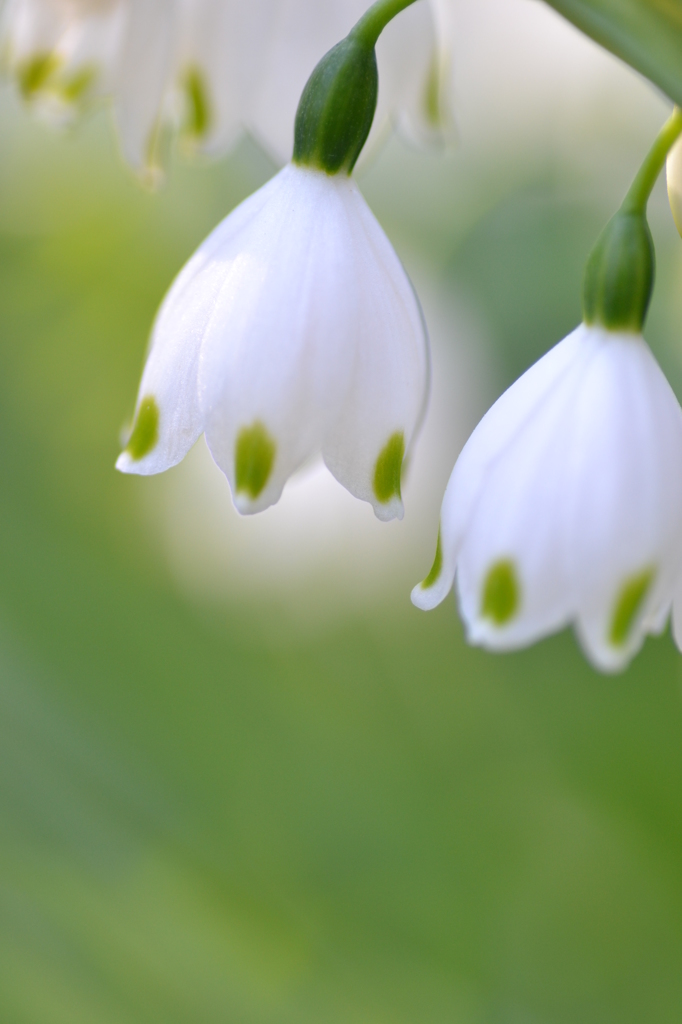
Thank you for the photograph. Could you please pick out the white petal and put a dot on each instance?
(513, 574)
(29, 28)
(144, 75)
(388, 387)
(493, 435)
(674, 176)
(170, 376)
(414, 77)
(217, 51)
(627, 506)
(277, 351)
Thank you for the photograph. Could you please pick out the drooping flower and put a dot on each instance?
(294, 327)
(210, 67)
(565, 505)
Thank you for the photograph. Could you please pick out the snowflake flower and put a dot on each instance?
(294, 327)
(565, 505)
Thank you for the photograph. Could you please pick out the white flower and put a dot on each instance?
(292, 329)
(215, 66)
(61, 51)
(565, 505)
(674, 176)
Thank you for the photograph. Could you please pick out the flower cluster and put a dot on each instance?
(211, 67)
(294, 328)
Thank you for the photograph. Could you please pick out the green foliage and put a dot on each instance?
(647, 34)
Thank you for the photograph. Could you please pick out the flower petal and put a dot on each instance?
(170, 378)
(513, 573)
(493, 435)
(277, 353)
(217, 61)
(627, 501)
(388, 387)
(674, 177)
(144, 73)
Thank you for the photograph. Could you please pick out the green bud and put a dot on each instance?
(619, 275)
(337, 107)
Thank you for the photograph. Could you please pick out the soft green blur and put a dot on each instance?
(210, 815)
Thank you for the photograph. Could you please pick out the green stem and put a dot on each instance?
(375, 20)
(641, 188)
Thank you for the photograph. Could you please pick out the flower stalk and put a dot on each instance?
(337, 107)
(638, 194)
(374, 21)
(619, 274)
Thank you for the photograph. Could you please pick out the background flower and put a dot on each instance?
(211, 68)
(565, 505)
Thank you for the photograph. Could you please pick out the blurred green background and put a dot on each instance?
(209, 814)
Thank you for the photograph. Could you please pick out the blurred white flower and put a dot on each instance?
(565, 505)
(213, 67)
(293, 328)
(61, 51)
(674, 176)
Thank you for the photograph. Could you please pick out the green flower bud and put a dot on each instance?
(337, 107)
(619, 275)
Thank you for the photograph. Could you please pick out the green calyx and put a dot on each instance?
(337, 107)
(619, 275)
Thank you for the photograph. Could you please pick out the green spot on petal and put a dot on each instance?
(432, 109)
(75, 87)
(198, 120)
(501, 593)
(254, 456)
(628, 604)
(389, 467)
(436, 567)
(34, 74)
(146, 430)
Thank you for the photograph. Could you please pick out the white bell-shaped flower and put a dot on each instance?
(565, 505)
(294, 328)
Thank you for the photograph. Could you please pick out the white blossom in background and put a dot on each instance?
(211, 67)
(293, 329)
(61, 51)
(674, 176)
(565, 505)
